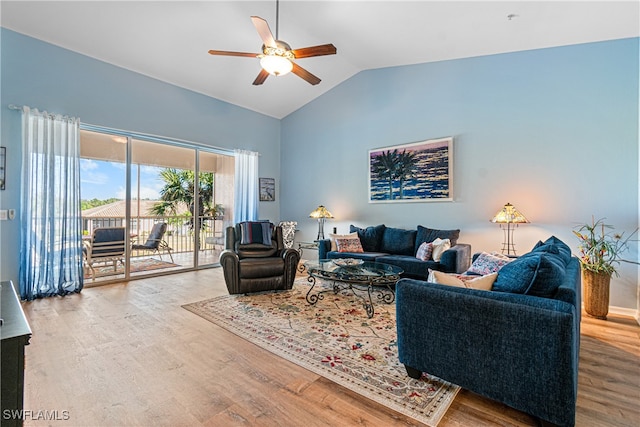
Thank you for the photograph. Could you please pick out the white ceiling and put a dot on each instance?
(169, 40)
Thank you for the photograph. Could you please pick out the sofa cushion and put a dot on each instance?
(555, 246)
(366, 256)
(487, 263)
(410, 264)
(424, 234)
(439, 246)
(535, 273)
(370, 237)
(349, 245)
(398, 241)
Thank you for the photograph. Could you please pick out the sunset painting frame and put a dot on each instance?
(415, 172)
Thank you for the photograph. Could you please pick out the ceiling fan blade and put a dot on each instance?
(262, 76)
(304, 74)
(264, 31)
(229, 53)
(306, 52)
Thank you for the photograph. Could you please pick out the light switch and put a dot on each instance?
(3, 214)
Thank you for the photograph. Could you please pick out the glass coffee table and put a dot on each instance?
(354, 275)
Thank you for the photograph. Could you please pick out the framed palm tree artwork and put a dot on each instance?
(416, 172)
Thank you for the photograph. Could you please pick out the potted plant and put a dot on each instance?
(600, 252)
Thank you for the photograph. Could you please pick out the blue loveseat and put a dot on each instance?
(517, 344)
(398, 247)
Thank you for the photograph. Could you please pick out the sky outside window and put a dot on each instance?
(103, 180)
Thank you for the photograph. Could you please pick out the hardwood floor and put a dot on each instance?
(128, 354)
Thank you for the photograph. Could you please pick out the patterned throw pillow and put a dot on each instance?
(488, 263)
(439, 246)
(333, 238)
(349, 245)
(424, 251)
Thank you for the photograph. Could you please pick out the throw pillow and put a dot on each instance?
(256, 232)
(349, 245)
(425, 234)
(439, 246)
(424, 251)
(487, 263)
(370, 237)
(555, 246)
(535, 273)
(333, 238)
(484, 283)
(398, 241)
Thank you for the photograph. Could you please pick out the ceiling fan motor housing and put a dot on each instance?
(282, 49)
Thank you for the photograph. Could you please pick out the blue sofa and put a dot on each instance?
(517, 344)
(398, 247)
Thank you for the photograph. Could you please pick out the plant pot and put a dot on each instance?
(596, 293)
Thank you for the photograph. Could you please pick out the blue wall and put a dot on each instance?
(552, 131)
(50, 78)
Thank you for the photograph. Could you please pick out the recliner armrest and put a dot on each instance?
(229, 262)
(291, 259)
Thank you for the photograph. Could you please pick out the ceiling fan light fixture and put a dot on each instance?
(276, 65)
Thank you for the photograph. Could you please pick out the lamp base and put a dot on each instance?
(508, 244)
(320, 229)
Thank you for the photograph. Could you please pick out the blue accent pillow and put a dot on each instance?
(397, 241)
(370, 237)
(536, 273)
(555, 246)
(428, 235)
(256, 232)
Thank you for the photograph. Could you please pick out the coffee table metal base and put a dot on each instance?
(383, 291)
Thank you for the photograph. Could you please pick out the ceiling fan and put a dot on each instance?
(277, 57)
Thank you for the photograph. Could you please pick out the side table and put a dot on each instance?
(306, 245)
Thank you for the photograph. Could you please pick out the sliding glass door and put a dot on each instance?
(216, 213)
(173, 199)
(162, 192)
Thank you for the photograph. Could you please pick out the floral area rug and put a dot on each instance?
(336, 340)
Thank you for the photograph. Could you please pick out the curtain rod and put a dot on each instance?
(49, 114)
(145, 136)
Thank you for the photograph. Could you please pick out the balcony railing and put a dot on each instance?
(179, 235)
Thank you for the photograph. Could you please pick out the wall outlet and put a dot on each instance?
(3, 214)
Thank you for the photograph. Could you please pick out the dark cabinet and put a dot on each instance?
(14, 334)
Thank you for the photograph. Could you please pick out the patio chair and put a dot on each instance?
(107, 245)
(155, 242)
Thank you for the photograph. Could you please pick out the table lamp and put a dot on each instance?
(509, 215)
(320, 213)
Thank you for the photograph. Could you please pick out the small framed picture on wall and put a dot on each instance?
(267, 189)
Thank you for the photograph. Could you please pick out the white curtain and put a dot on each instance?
(246, 186)
(51, 226)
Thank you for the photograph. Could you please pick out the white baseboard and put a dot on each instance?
(629, 312)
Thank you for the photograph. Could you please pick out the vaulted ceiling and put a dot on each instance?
(169, 40)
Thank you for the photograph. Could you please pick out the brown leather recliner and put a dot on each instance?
(256, 267)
